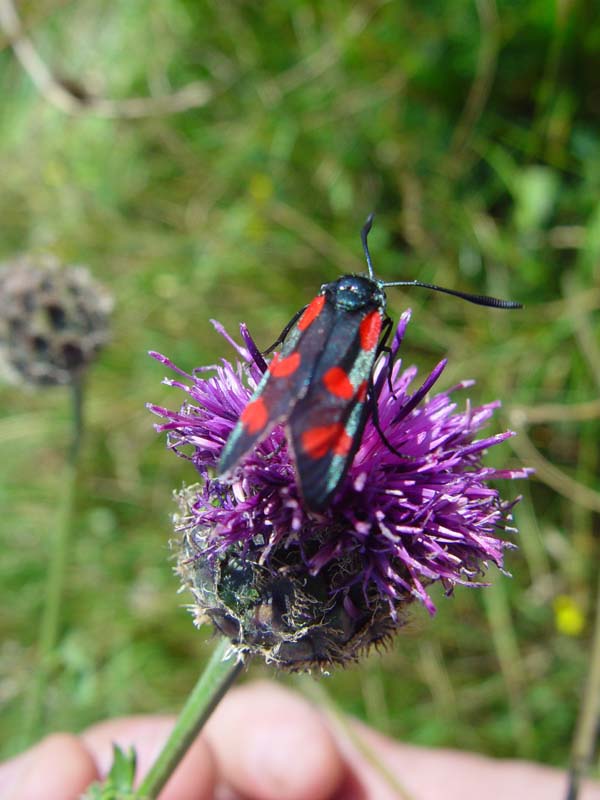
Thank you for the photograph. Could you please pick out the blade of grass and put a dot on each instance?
(320, 695)
(33, 714)
(511, 663)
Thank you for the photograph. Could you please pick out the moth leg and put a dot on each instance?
(383, 437)
(278, 448)
(282, 336)
(383, 347)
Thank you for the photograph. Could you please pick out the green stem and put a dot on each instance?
(321, 698)
(58, 557)
(511, 663)
(212, 685)
(589, 714)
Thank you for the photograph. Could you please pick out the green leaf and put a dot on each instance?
(119, 781)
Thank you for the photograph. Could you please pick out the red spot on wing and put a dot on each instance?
(338, 383)
(343, 444)
(369, 330)
(317, 442)
(283, 367)
(254, 417)
(312, 312)
(361, 392)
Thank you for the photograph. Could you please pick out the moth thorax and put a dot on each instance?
(353, 292)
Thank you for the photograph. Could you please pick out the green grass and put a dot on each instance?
(471, 129)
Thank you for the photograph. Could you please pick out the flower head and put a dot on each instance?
(53, 320)
(304, 589)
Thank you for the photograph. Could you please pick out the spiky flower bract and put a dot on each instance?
(303, 589)
(54, 320)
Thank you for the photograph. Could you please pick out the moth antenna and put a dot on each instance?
(363, 237)
(478, 299)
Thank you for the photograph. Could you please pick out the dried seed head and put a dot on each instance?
(275, 609)
(53, 320)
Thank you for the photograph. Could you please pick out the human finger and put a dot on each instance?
(379, 765)
(58, 768)
(270, 744)
(194, 777)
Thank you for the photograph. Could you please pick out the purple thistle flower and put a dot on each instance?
(393, 528)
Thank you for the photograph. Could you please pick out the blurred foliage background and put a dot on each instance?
(471, 129)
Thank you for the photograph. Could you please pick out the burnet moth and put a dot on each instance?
(320, 383)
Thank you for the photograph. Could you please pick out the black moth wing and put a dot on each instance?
(280, 389)
(325, 428)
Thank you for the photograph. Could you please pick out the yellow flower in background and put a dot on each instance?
(568, 615)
